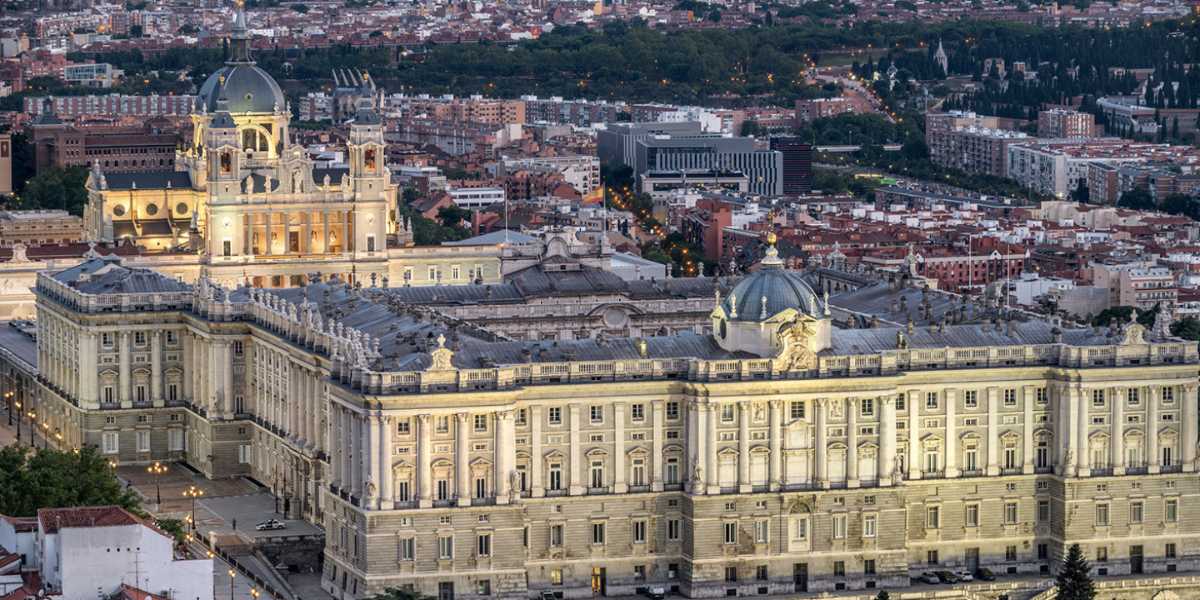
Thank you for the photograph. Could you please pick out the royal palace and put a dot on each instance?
(774, 453)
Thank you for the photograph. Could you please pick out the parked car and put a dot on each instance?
(946, 577)
(547, 595)
(270, 525)
(656, 593)
(930, 578)
(984, 574)
(964, 575)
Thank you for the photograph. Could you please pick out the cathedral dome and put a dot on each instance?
(242, 88)
(770, 291)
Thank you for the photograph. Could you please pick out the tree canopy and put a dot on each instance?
(1072, 580)
(49, 478)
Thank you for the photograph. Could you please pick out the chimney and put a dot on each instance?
(475, 222)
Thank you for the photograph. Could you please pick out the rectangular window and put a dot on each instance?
(869, 526)
(1136, 511)
(796, 409)
(1041, 397)
(637, 412)
(839, 527)
(839, 568)
(446, 547)
(597, 414)
(901, 401)
(672, 530)
(1010, 397)
(403, 426)
(598, 533)
(143, 441)
(227, 248)
(403, 491)
(481, 423)
(933, 517)
(1011, 513)
(971, 518)
(172, 392)
(555, 476)
(1168, 395)
(556, 536)
(931, 557)
(760, 573)
(175, 440)
(1171, 511)
(484, 546)
(1134, 399)
(868, 407)
(1102, 515)
(730, 532)
(1102, 554)
(443, 489)
(869, 566)
(554, 415)
(110, 442)
(971, 398)
(731, 574)
(1043, 514)
(1170, 550)
(597, 474)
(727, 413)
(370, 243)
(639, 532)
(931, 400)
(1098, 398)
(443, 424)
(672, 410)
(408, 549)
(762, 531)
(139, 338)
(672, 471)
(1010, 553)
(556, 577)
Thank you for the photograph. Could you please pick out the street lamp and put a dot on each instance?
(8, 399)
(17, 405)
(157, 469)
(32, 428)
(232, 576)
(254, 593)
(193, 492)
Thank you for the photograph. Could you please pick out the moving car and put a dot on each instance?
(984, 574)
(270, 525)
(930, 578)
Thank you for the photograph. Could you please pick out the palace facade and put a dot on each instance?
(774, 453)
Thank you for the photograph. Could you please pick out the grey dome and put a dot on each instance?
(783, 289)
(243, 88)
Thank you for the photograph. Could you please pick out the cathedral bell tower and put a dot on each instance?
(369, 182)
(223, 155)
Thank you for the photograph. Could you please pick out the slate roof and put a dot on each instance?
(106, 275)
(148, 180)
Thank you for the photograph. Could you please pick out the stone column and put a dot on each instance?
(695, 447)
(537, 489)
(620, 486)
(325, 232)
(267, 225)
(914, 435)
(1153, 398)
(337, 440)
(712, 471)
(424, 461)
(1085, 454)
(346, 245)
(744, 484)
(347, 450)
(370, 464)
(852, 410)
(506, 454)
(125, 374)
(822, 444)
(188, 349)
(357, 459)
(1117, 446)
(156, 383)
(887, 439)
(951, 462)
(462, 457)
(1027, 429)
(993, 432)
(656, 445)
(576, 486)
(1190, 417)
(224, 372)
(776, 468)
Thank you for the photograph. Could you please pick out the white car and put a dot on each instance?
(270, 525)
(964, 575)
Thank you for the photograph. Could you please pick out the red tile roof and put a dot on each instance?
(53, 519)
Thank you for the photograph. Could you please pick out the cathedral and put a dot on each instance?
(250, 204)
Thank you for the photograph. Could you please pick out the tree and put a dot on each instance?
(1080, 193)
(135, 31)
(882, 596)
(1187, 328)
(49, 478)
(1073, 581)
(56, 188)
(1137, 199)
